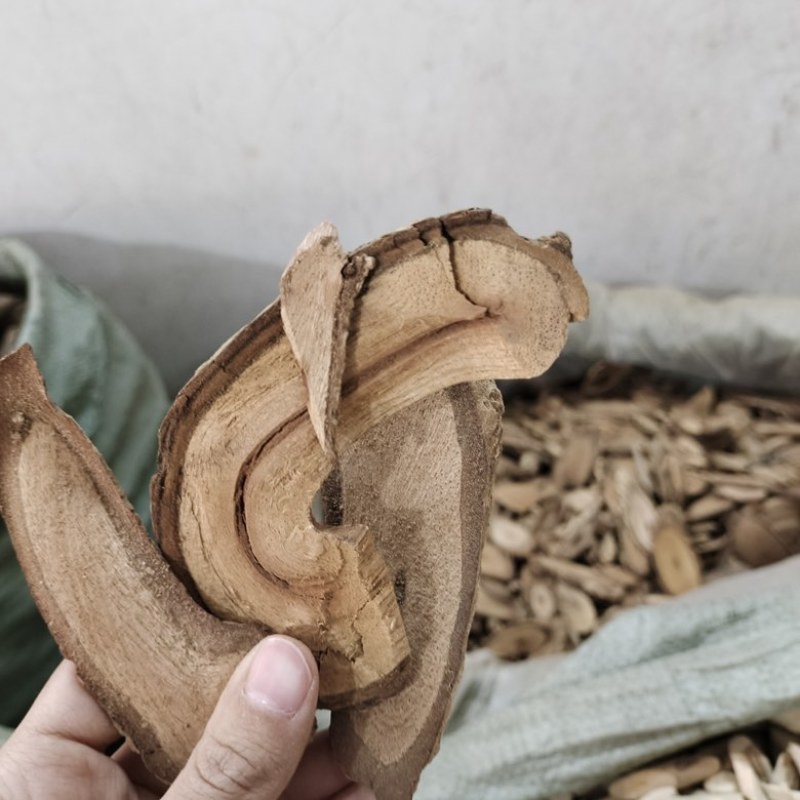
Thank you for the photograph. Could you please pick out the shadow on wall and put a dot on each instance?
(180, 304)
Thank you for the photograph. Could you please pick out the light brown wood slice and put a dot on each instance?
(750, 767)
(724, 782)
(637, 784)
(431, 533)
(511, 537)
(542, 600)
(520, 640)
(767, 532)
(139, 642)
(592, 581)
(785, 773)
(318, 291)
(495, 563)
(676, 564)
(574, 466)
(577, 609)
(461, 298)
(708, 507)
(424, 306)
(693, 770)
(734, 478)
(521, 496)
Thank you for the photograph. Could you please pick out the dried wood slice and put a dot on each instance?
(607, 548)
(793, 751)
(733, 462)
(520, 497)
(542, 600)
(529, 462)
(768, 532)
(661, 793)
(691, 771)
(577, 610)
(499, 590)
(574, 465)
(785, 772)
(740, 494)
(495, 563)
(708, 507)
(691, 452)
(245, 449)
(676, 564)
(632, 554)
(724, 782)
(750, 767)
(516, 437)
(510, 536)
(618, 574)
(670, 482)
(521, 640)
(592, 581)
(371, 740)
(777, 792)
(694, 484)
(488, 605)
(637, 784)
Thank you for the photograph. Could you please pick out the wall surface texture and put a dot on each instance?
(172, 153)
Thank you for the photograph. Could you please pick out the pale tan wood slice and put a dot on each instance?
(496, 563)
(676, 564)
(520, 640)
(637, 784)
(460, 298)
(318, 291)
(141, 645)
(724, 782)
(692, 771)
(430, 519)
(511, 537)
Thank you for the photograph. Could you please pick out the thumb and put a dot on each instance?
(254, 739)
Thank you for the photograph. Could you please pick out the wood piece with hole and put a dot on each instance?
(451, 300)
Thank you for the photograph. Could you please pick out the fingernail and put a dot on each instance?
(279, 678)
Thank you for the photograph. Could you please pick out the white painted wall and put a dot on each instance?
(664, 136)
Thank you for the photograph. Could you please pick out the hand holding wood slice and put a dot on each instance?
(368, 373)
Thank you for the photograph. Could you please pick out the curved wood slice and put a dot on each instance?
(140, 643)
(455, 299)
(245, 449)
(423, 482)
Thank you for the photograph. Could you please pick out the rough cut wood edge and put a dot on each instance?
(318, 290)
(387, 745)
(97, 579)
(169, 630)
(481, 247)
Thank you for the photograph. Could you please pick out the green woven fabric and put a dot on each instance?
(96, 372)
(653, 681)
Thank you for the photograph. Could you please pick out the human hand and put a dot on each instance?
(254, 745)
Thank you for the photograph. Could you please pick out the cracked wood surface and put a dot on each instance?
(244, 450)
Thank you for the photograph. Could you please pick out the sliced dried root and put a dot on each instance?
(282, 406)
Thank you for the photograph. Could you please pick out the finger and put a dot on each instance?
(131, 762)
(319, 775)
(254, 740)
(65, 709)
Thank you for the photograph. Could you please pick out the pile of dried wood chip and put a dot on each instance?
(623, 491)
(763, 765)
